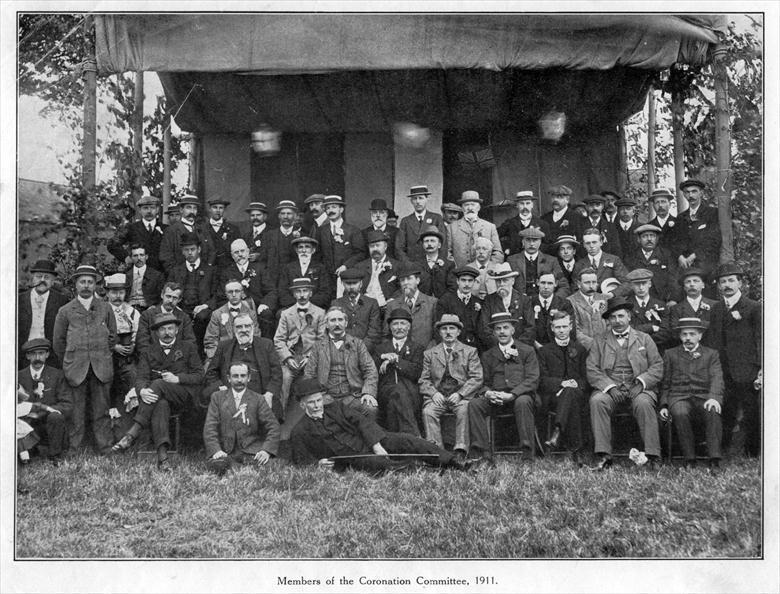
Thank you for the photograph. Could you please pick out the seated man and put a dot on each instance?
(506, 299)
(483, 285)
(221, 322)
(650, 315)
(343, 366)
(624, 367)
(416, 302)
(464, 304)
(48, 396)
(563, 383)
(240, 426)
(692, 389)
(399, 361)
(694, 304)
(364, 318)
(511, 375)
(169, 303)
(451, 376)
(333, 429)
(545, 305)
(169, 374)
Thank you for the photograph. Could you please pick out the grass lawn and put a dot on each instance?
(110, 508)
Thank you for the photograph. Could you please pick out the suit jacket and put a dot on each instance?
(84, 339)
(363, 321)
(144, 336)
(136, 233)
(521, 310)
(674, 235)
(642, 355)
(279, 250)
(293, 327)
(437, 280)
(687, 375)
(56, 393)
(702, 237)
(208, 284)
(151, 284)
(609, 236)
(408, 369)
(610, 266)
(224, 431)
(321, 278)
(568, 274)
(571, 223)
(258, 284)
(423, 313)
(519, 374)
(170, 246)
(512, 243)
(182, 361)
(463, 235)
(257, 245)
(483, 285)
(343, 431)
(390, 233)
(468, 314)
(220, 326)
(24, 317)
(347, 252)
(655, 313)
(587, 318)
(543, 334)
(545, 264)
(388, 278)
(361, 371)
(218, 244)
(407, 244)
(557, 364)
(465, 368)
(665, 272)
(738, 340)
(629, 244)
(269, 371)
(683, 309)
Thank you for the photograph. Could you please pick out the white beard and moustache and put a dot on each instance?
(409, 292)
(503, 292)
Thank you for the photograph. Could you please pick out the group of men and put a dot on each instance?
(394, 328)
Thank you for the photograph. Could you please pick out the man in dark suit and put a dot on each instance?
(169, 303)
(702, 229)
(279, 241)
(84, 338)
(364, 319)
(146, 232)
(509, 231)
(37, 308)
(407, 241)
(437, 272)
(380, 271)
(144, 283)
(341, 243)
(673, 234)
(659, 261)
(563, 384)
(306, 265)
(596, 220)
(422, 307)
(625, 225)
(329, 430)
(399, 361)
(545, 305)
(562, 219)
(49, 396)
(566, 250)
(464, 304)
(240, 426)
(506, 299)
(171, 252)
(217, 234)
(255, 231)
(692, 389)
(650, 314)
(531, 263)
(605, 264)
(379, 210)
(314, 215)
(735, 331)
(169, 375)
(694, 305)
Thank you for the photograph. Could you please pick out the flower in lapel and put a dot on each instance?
(296, 233)
(177, 354)
(477, 306)
(653, 261)
(537, 309)
(38, 389)
(440, 262)
(224, 235)
(736, 315)
(553, 312)
(704, 307)
(513, 353)
(201, 273)
(338, 235)
(245, 283)
(242, 413)
(224, 319)
(158, 229)
(564, 223)
(696, 355)
(386, 265)
(429, 221)
(252, 272)
(258, 242)
(670, 224)
(609, 264)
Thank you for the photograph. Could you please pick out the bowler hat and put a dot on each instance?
(595, 198)
(301, 283)
(256, 206)
(688, 272)
(189, 238)
(351, 275)
(287, 204)
(305, 239)
(727, 269)
(218, 200)
(559, 190)
(532, 233)
(646, 228)
(570, 239)
(692, 182)
(399, 314)
(525, 195)
(333, 199)
(690, 323)
(409, 269)
(378, 204)
(469, 196)
(314, 198)
(44, 266)
(36, 344)
(502, 316)
(451, 206)
(615, 304)
(189, 199)
(639, 274)
(418, 191)
(661, 193)
(85, 270)
(148, 201)
(373, 236)
(306, 387)
(611, 194)
(467, 271)
(449, 320)
(165, 318)
(502, 270)
(115, 281)
(431, 230)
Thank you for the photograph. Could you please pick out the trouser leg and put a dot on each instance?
(400, 405)
(643, 409)
(681, 412)
(404, 443)
(78, 415)
(479, 410)
(432, 421)
(568, 414)
(601, 407)
(461, 410)
(714, 430)
(523, 407)
(56, 428)
(100, 400)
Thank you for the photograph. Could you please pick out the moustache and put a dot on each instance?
(38, 284)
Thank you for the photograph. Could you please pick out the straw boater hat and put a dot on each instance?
(661, 193)
(570, 239)
(287, 204)
(333, 199)
(525, 195)
(418, 191)
(189, 199)
(449, 320)
(502, 316)
(305, 239)
(116, 281)
(85, 270)
(609, 282)
(502, 270)
(647, 228)
(690, 323)
(165, 318)
(301, 283)
(256, 206)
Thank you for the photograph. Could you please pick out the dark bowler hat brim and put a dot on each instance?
(378, 204)
(399, 314)
(728, 269)
(306, 387)
(689, 272)
(373, 236)
(304, 239)
(431, 231)
(409, 270)
(44, 266)
(691, 182)
(36, 344)
(163, 319)
(467, 271)
(615, 304)
(189, 238)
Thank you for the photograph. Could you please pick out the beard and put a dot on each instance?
(503, 291)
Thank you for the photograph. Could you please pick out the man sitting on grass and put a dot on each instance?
(240, 427)
(337, 430)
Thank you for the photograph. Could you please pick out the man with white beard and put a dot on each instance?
(464, 232)
(422, 307)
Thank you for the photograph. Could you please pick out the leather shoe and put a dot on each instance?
(576, 458)
(124, 443)
(605, 461)
(690, 464)
(460, 456)
(164, 465)
(714, 464)
(552, 443)
(653, 464)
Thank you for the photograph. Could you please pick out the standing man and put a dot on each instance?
(144, 283)
(511, 376)
(380, 271)
(545, 306)
(147, 232)
(451, 377)
(626, 225)
(364, 317)
(37, 308)
(483, 285)
(222, 319)
(171, 252)
(451, 212)
(736, 332)
(464, 232)
(422, 307)
(562, 219)
(624, 368)
(596, 220)
(84, 338)
(306, 265)
(341, 243)
(702, 229)
(255, 232)
(673, 234)
(315, 214)
(566, 250)
(605, 264)
(509, 231)
(279, 241)
(217, 234)
(407, 241)
(532, 263)
(379, 210)
(694, 305)
(650, 315)
(659, 261)
(464, 304)
(610, 206)
(506, 299)
(437, 272)
(589, 305)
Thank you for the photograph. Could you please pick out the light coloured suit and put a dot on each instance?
(588, 322)
(463, 236)
(483, 285)
(423, 313)
(221, 326)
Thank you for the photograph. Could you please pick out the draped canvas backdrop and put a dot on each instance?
(335, 84)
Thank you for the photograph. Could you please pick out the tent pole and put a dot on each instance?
(678, 111)
(90, 107)
(622, 178)
(650, 142)
(138, 133)
(723, 151)
(166, 189)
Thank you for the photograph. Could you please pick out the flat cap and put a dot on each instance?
(595, 198)
(639, 274)
(692, 182)
(36, 344)
(351, 275)
(467, 271)
(559, 190)
(647, 227)
(449, 320)
(532, 233)
(148, 201)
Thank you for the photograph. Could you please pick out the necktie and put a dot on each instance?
(149, 228)
(397, 347)
(409, 302)
(482, 267)
(465, 300)
(448, 354)
(590, 299)
(166, 351)
(303, 310)
(593, 262)
(545, 304)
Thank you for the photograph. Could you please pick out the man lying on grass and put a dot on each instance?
(335, 430)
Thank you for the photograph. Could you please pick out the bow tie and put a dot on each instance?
(235, 310)
(621, 334)
(303, 310)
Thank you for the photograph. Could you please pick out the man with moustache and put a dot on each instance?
(673, 234)
(343, 366)
(451, 212)
(407, 242)
(509, 231)
(378, 210)
(562, 219)
(257, 283)
(422, 307)
(694, 305)
(171, 252)
(483, 284)
(399, 361)
(221, 321)
(531, 263)
(566, 250)
(147, 232)
(254, 232)
(84, 339)
(437, 272)
(363, 313)
(315, 214)
(173, 212)
(341, 243)
(596, 220)
(588, 305)
(464, 304)
(279, 247)
(217, 234)
(506, 299)
(659, 261)
(605, 264)
(380, 271)
(37, 308)
(546, 305)
(692, 390)
(169, 303)
(144, 283)
(610, 206)
(169, 376)
(702, 229)
(463, 233)
(626, 224)
(511, 376)
(650, 315)
(305, 265)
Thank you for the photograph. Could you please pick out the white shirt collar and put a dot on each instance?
(259, 229)
(167, 346)
(557, 215)
(87, 303)
(194, 266)
(322, 218)
(732, 301)
(531, 257)
(397, 344)
(625, 226)
(663, 220)
(382, 228)
(139, 271)
(286, 231)
(561, 343)
(237, 396)
(694, 303)
(147, 224)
